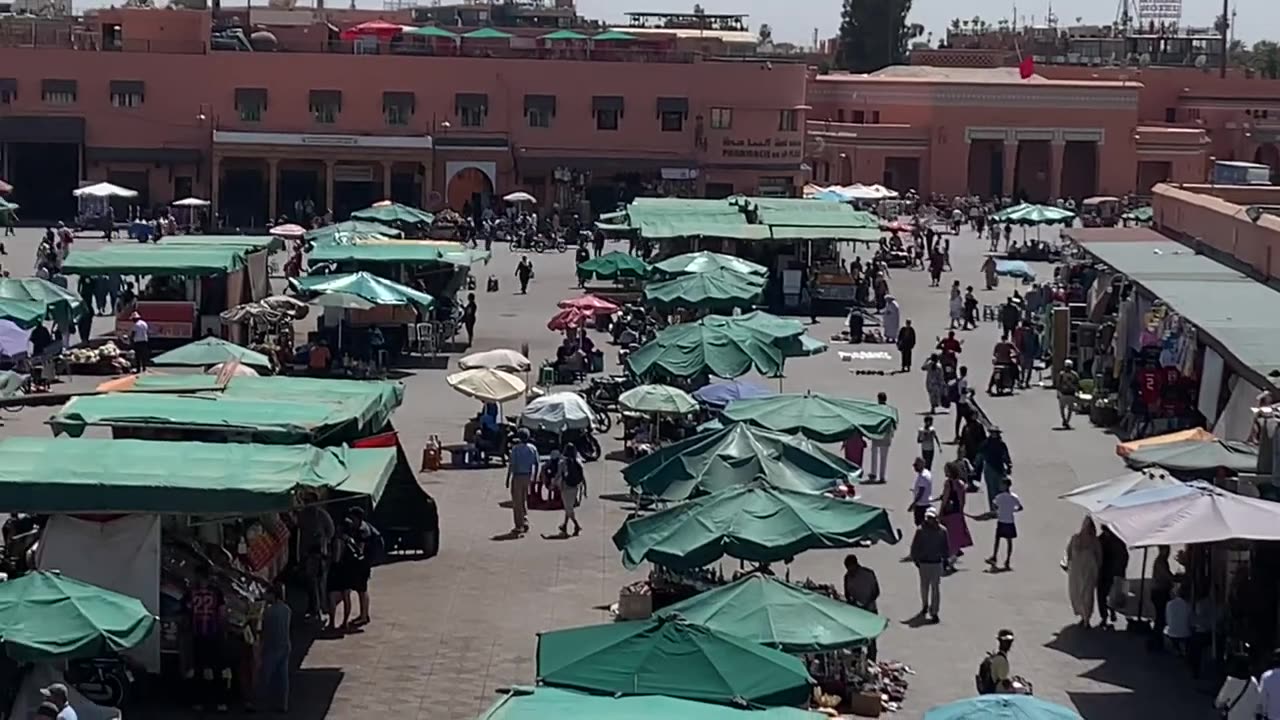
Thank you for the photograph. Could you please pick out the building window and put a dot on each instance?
(471, 109)
(539, 109)
(839, 114)
(127, 93)
(58, 92)
(539, 118)
(1171, 115)
(672, 122)
(397, 108)
(721, 118)
(8, 91)
(859, 117)
(875, 117)
(606, 119)
(472, 117)
(325, 105)
(788, 120)
(251, 103)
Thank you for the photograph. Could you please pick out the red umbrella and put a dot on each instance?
(568, 319)
(897, 226)
(590, 304)
(382, 29)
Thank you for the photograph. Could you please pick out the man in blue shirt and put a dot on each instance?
(520, 473)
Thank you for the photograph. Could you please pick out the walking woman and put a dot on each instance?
(953, 519)
(935, 383)
(1083, 562)
(572, 485)
(956, 305)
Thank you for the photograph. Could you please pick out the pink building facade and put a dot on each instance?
(261, 133)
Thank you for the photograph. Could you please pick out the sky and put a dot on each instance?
(795, 20)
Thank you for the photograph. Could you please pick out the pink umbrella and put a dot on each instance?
(590, 304)
(5, 187)
(378, 28)
(288, 230)
(568, 319)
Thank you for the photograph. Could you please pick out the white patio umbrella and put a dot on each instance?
(191, 202)
(1120, 491)
(343, 301)
(235, 368)
(558, 412)
(1201, 514)
(104, 189)
(499, 359)
(487, 384)
(519, 196)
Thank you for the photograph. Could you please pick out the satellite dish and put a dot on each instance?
(1144, 59)
(1201, 61)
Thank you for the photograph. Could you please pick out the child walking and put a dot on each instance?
(927, 436)
(1007, 504)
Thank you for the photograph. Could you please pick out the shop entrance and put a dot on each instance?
(986, 168)
(301, 195)
(1080, 169)
(469, 189)
(1268, 155)
(43, 176)
(242, 198)
(902, 173)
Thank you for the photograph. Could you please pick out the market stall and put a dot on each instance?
(95, 210)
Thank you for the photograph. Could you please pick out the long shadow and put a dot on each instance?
(1127, 663)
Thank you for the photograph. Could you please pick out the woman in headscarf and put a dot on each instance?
(952, 514)
(935, 383)
(989, 272)
(956, 305)
(892, 318)
(1083, 560)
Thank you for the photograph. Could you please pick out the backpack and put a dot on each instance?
(984, 680)
(571, 473)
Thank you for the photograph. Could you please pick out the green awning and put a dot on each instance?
(395, 215)
(614, 36)
(613, 266)
(402, 251)
(431, 31)
(348, 230)
(715, 290)
(59, 300)
(251, 243)
(264, 420)
(156, 260)
(563, 35)
(25, 314)
(487, 33)
(46, 617)
(696, 262)
(689, 349)
(367, 287)
(824, 233)
(63, 475)
(210, 351)
(682, 227)
(370, 402)
(548, 703)
(824, 418)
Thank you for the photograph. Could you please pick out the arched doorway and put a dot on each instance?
(469, 186)
(1268, 155)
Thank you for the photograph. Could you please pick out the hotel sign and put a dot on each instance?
(762, 148)
(1160, 9)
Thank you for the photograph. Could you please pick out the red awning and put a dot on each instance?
(379, 28)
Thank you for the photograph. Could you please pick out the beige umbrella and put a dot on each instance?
(487, 384)
(500, 359)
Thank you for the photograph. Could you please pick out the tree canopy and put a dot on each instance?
(875, 34)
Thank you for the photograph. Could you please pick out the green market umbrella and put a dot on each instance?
(714, 290)
(752, 521)
(367, 287)
(210, 351)
(487, 33)
(1142, 214)
(667, 656)
(768, 611)
(696, 262)
(395, 215)
(613, 36)
(787, 334)
(1029, 214)
(432, 31)
(1001, 707)
(26, 314)
(46, 617)
(614, 266)
(59, 300)
(563, 35)
(348, 231)
(720, 459)
(1196, 456)
(689, 349)
(548, 703)
(660, 399)
(821, 417)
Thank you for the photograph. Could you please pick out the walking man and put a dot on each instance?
(861, 590)
(520, 472)
(906, 343)
(524, 273)
(1068, 383)
(140, 337)
(929, 550)
(880, 451)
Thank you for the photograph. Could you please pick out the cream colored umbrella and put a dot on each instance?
(487, 384)
(499, 359)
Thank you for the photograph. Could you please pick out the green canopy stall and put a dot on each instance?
(613, 266)
(713, 461)
(412, 221)
(718, 290)
(365, 286)
(348, 231)
(46, 617)
(751, 521)
(1031, 214)
(768, 611)
(59, 301)
(668, 656)
(186, 260)
(690, 349)
(210, 351)
(26, 314)
(696, 262)
(823, 418)
(252, 243)
(549, 703)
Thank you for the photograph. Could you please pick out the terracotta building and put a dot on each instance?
(138, 97)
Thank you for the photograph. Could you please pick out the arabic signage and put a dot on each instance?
(761, 148)
(1160, 9)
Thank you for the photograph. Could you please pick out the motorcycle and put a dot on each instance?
(106, 681)
(1006, 374)
(542, 244)
(586, 443)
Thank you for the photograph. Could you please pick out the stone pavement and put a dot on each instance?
(450, 631)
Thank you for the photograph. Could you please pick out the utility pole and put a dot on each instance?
(1226, 43)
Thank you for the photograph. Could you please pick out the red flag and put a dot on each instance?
(1026, 67)
(381, 440)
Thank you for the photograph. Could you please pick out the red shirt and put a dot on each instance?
(1150, 385)
(950, 345)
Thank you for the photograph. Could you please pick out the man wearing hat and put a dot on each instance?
(56, 696)
(140, 340)
(521, 470)
(929, 551)
(994, 675)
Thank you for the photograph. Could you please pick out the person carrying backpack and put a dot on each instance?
(993, 673)
(572, 485)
